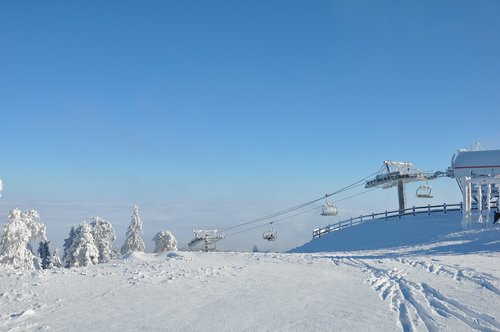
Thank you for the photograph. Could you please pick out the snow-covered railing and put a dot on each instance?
(317, 232)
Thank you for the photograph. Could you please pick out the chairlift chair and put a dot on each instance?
(424, 191)
(270, 235)
(329, 210)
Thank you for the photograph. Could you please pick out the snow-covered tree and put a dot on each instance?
(133, 238)
(104, 235)
(56, 260)
(115, 252)
(44, 254)
(69, 240)
(83, 250)
(67, 244)
(68, 255)
(22, 228)
(165, 241)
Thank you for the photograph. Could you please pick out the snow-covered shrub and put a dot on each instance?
(22, 228)
(165, 241)
(44, 254)
(104, 235)
(56, 260)
(83, 250)
(115, 252)
(133, 239)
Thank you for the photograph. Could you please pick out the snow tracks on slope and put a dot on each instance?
(412, 288)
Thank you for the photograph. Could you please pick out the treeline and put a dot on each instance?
(87, 244)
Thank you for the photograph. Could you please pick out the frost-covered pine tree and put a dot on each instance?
(165, 241)
(56, 260)
(133, 238)
(44, 254)
(69, 240)
(22, 228)
(83, 250)
(67, 244)
(104, 235)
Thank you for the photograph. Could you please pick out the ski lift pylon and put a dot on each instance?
(424, 191)
(329, 209)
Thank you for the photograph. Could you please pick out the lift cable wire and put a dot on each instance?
(361, 193)
(272, 222)
(300, 206)
(297, 214)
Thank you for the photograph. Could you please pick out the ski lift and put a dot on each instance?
(270, 235)
(424, 192)
(329, 209)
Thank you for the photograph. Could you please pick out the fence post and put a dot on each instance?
(385, 214)
(429, 209)
(373, 215)
(414, 210)
(361, 218)
(351, 220)
(461, 206)
(444, 206)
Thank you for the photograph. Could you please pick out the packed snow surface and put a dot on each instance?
(448, 281)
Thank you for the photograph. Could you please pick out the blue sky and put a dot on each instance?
(236, 108)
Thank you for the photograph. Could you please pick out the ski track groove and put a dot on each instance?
(460, 311)
(415, 303)
(482, 280)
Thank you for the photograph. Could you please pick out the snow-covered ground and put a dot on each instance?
(437, 278)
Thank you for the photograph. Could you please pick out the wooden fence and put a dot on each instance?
(444, 208)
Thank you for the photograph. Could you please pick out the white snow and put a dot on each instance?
(438, 277)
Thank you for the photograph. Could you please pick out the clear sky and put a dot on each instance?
(210, 113)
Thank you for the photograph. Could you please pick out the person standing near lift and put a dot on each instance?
(496, 215)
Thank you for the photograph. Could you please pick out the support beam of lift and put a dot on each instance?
(401, 195)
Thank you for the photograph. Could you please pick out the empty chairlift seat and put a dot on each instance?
(328, 209)
(424, 192)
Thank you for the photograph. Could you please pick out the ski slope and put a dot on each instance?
(439, 279)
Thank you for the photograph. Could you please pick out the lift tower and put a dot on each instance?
(206, 238)
(398, 173)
